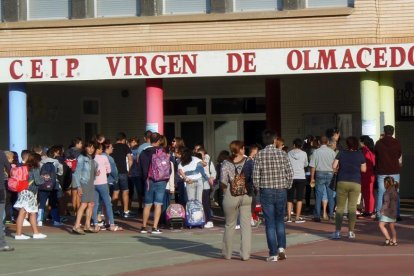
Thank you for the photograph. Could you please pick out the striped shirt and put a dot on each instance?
(272, 169)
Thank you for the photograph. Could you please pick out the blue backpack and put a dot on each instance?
(48, 173)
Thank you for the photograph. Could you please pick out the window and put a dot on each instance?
(185, 107)
(329, 3)
(238, 105)
(185, 6)
(258, 5)
(113, 8)
(48, 9)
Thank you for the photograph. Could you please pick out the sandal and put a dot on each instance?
(78, 231)
(115, 228)
(91, 230)
(387, 243)
(393, 243)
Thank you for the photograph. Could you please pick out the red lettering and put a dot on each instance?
(36, 65)
(249, 62)
(402, 56)
(127, 66)
(72, 64)
(307, 66)
(13, 73)
(411, 56)
(54, 68)
(173, 64)
(348, 60)
(231, 66)
(113, 67)
(299, 60)
(327, 59)
(140, 66)
(359, 60)
(192, 64)
(379, 54)
(155, 68)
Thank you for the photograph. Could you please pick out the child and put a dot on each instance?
(389, 211)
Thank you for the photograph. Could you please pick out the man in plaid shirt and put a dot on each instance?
(273, 175)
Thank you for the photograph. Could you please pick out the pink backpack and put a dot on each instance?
(19, 179)
(175, 211)
(160, 168)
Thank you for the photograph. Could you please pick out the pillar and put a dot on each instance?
(155, 105)
(370, 107)
(387, 105)
(17, 117)
(273, 106)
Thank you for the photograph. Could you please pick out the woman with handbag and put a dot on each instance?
(26, 200)
(236, 182)
(351, 163)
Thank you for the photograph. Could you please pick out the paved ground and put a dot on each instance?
(197, 252)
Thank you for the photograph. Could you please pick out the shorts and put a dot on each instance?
(298, 186)
(154, 194)
(386, 219)
(122, 183)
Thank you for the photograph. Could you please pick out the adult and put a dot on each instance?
(73, 153)
(133, 178)
(155, 190)
(299, 161)
(123, 159)
(321, 174)
(334, 135)
(4, 166)
(368, 177)
(146, 144)
(349, 163)
(388, 162)
(84, 177)
(273, 174)
(237, 206)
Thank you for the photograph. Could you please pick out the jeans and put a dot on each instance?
(53, 202)
(206, 205)
(381, 191)
(2, 201)
(155, 193)
(323, 193)
(274, 205)
(102, 192)
(195, 190)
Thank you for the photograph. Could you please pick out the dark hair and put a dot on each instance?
(186, 156)
(331, 132)
(75, 141)
(101, 146)
(25, 153)
(389, 130)
(352, 143)
(33, 160)
(202, 149)
(324, 140)
(298, 143)
(120, 136)
(147, 134)
(198, 155)
(223, 155)
(389, 181)
(87, 145)
(52, 151)
(269, 136)
(235, 147)
(367, 141)
(155, 137)
(179, 141)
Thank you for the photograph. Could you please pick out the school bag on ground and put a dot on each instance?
(194, 214)
(19, 178)
(160, 168)
(238, 186)
(48, 173)
(175, 216)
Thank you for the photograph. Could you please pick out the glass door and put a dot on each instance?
(91, 117)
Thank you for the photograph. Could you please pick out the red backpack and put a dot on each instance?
(19, 178)
(71, 164)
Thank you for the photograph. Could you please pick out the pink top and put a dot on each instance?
(103, 167)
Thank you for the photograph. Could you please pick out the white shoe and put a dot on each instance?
(282, 254)
(39, 236)
(21, 237)
(209, 225)
(271, 259)
(40, 223)
(237, 227)
(351, 235)
(26, 222)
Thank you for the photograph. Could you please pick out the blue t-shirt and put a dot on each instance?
(350, 165)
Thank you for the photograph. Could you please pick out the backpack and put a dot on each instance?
(71, 164)
(160, 168)
(48, 173)
(19, 179)
(238, 186)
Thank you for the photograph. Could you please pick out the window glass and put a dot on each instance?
(329, 3)
(238, 105)
(185, 6)
(90, 107)
(257, 5)
(48, 9)
(113, 8)
(185, 107)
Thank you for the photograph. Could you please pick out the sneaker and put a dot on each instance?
(156, 231)
(39, 236)
(57, 223)
(209, 225)
(336, 235)
(63, 219)
(300, 220)
(289, 220)
(282, 254)
(21, 237)
(237, 227)
(129, 214)
(271, 259)
(39, 224)
(117, 213)
(26, 222)
(143, 230)
(351, 235)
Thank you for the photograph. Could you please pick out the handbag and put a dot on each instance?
(334, 182)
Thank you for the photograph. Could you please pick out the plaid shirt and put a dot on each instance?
(272, 169)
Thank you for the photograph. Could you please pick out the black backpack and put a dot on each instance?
(48, 173)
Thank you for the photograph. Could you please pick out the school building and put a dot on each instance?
(210, 71)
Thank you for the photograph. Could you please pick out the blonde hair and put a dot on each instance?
(10, 156)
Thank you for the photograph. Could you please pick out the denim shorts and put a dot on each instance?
(122, 183)
(154, 192)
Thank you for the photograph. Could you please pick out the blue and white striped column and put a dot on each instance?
(17, 117)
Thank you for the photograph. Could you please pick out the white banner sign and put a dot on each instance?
(209, 63)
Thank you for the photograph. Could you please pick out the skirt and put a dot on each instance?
(88, 193)
(386, 219)
(26, 200)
